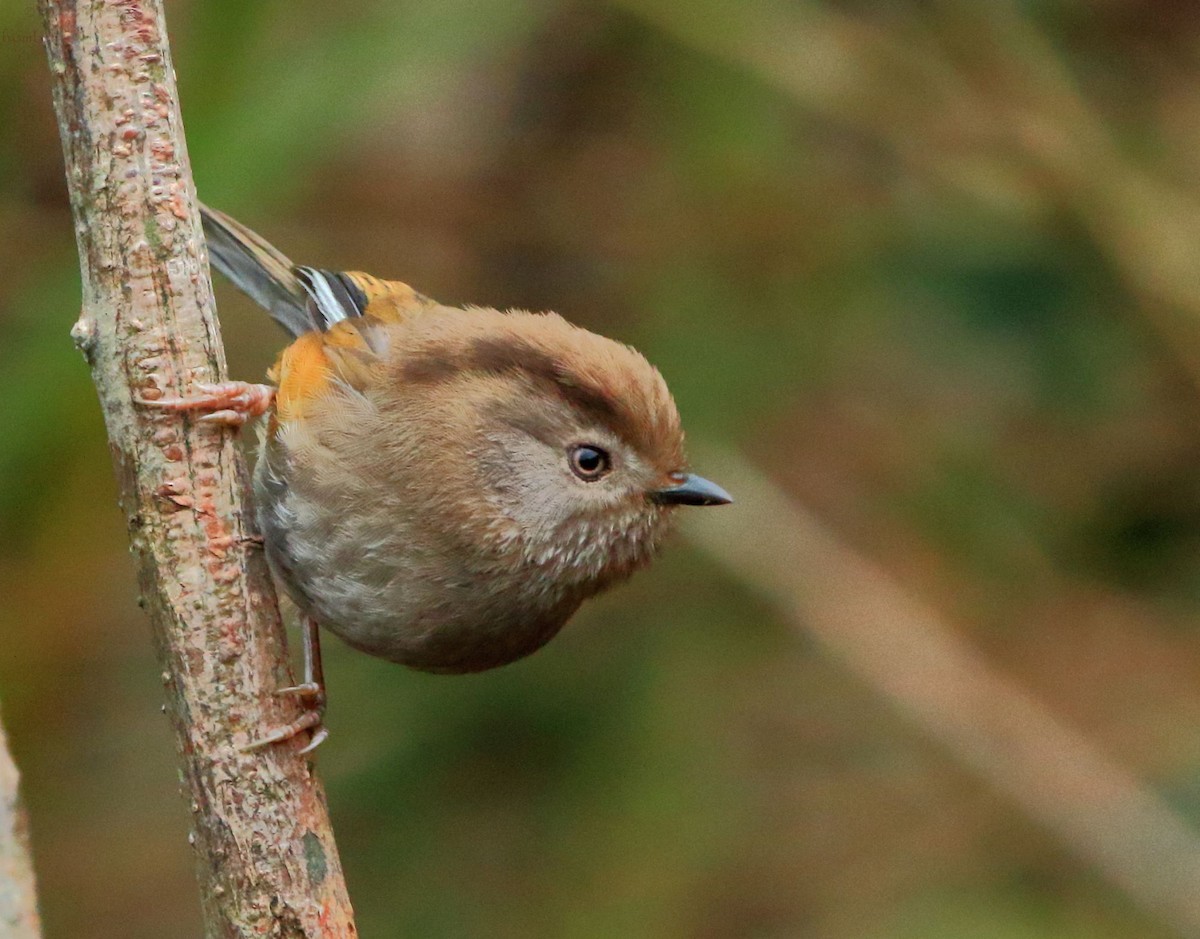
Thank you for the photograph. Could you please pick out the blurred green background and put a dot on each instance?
(934, 267)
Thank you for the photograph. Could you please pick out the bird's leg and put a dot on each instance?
(227, 402)
(311, 691)
(313, 686)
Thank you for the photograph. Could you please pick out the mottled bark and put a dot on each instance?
(18, 890)
(267, 862)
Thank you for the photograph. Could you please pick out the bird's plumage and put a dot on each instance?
(415, 487)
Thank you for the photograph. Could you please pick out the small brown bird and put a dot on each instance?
(442, 487)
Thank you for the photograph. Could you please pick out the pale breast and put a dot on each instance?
(385, 587)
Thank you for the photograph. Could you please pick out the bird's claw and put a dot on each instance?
(313, 696)
(309, 720)
(231, 403)
(310, 690)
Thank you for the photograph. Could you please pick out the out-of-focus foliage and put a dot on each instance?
(928, 263)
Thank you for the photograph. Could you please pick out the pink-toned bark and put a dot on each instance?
(267, 862)
(18, 890)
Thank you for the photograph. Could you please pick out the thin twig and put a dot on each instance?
(267, 860)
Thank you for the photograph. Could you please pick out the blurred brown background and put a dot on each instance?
(933, 267)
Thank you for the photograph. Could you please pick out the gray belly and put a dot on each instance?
(391, 591)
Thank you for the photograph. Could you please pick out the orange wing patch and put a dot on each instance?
(388, 300)
(301, 374)
(312, 363)
(345, 334)
(347, 353)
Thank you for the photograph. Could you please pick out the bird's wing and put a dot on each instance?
(300, 298)
(350, 350)
(340, 319)
(258, 269)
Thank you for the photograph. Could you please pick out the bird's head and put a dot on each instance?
(567, 450)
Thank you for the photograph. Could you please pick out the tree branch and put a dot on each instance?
(267, 860)
(18, 890)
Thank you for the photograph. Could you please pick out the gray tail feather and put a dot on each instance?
(258, 269)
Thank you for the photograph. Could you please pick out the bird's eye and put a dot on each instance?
(589, 463)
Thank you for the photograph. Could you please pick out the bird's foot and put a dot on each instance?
(310, 691)
(228, 402)
(313, 696)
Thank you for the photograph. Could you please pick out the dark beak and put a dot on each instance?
(691, 490)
